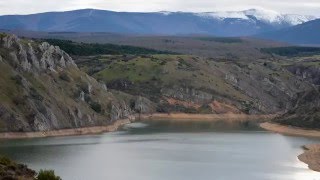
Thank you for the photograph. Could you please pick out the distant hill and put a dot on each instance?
(306, 33)
(232, 23)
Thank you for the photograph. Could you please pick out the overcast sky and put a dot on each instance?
(308, 7)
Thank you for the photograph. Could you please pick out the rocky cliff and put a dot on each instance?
(306, 112)
(41, 88)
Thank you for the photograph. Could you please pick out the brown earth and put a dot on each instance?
(205, 117)
(67, 132)
(289, 130)
(188, 104)
(221, 108)
(311, 156)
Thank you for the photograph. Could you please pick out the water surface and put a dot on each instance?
(145, 152)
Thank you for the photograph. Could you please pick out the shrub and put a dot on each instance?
(35, 95)
(205, 109)
(47, 175)
(19, 100)
(96, 107)
(17, 79)
(64, 76)
(5, 161)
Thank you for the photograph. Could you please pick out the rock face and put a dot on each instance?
(36, 58)
(41, 88)
(308, 73)
(143, 105)
(306, 113)
(185, 93)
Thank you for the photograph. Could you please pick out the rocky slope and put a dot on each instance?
(195, 84)
(306, 112)
(14, 171)
(41, 88)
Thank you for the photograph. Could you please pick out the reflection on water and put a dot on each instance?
(176, 152)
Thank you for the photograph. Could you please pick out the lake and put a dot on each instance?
(145, 151)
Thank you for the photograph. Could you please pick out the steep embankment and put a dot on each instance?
(42, 89)
(306, 112)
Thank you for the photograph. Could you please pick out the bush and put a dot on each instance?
(47, 175)
(19, 100)
(96, 107)
(17, 79)
(35, 95)
(64, 76)
(5, 161)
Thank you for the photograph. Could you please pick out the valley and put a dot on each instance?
(160, 89)
(61, 81)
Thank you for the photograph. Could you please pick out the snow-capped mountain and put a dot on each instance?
(307, 34)
(230, 23)
(264, 15)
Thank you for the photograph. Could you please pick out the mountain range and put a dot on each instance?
(306, 33)
(229, 23)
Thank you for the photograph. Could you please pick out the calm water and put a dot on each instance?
(142, 152)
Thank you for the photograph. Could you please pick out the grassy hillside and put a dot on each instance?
(196, 84)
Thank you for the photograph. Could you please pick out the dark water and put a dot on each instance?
(154, 152)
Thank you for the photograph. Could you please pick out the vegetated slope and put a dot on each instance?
(14, 171)
(200, 85)
(240, 23)
(41, 88)
(306, 33)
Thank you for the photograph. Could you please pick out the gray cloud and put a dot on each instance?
(310, 7)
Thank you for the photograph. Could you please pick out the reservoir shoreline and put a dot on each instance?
(311, 155)
(181, 117)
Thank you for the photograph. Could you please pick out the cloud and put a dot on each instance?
(284, 6)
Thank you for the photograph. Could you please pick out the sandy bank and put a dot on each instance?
(289, 130)
(66, 132)
(206, 117)
(311, 156)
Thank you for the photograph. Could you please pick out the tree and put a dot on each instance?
(47, 175)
